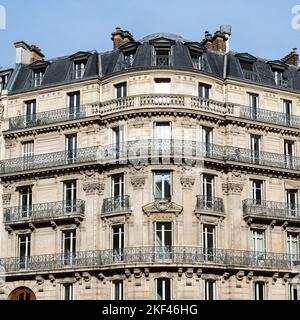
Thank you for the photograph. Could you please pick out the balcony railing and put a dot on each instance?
(116, 105)
(211, 204)
(44, 211)
(251, 75)
(146, 151)
(268, 116)
(115, 204)
(271, 210)
(152, 255)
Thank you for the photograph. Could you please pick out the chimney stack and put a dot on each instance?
(26, 54)
(120, 37)
(292, 58)
(219, 41)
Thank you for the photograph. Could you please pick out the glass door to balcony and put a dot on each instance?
(118, 243)
(118, 141)
(74, 105)
(255, 149)
(24, 251)
(208, 191)
(206, 141)
(117, 192)
(257, 192)
(71, 148)
(163, 240)
(293, 248)
(70, 196)
(287, 111)
(253, 104)
(289, 154)
(162, 186)
(30, 111)
(27, 154)
(69, 247)
(162, 138)
(25, 199)
(259, 248)
(209, 242)
(292, 202)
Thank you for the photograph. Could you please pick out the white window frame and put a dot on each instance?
(118, 252)
(70, 238)
(207, 289)
(258, 235)
(119, 285)
(292, 287)
(254, 188)
(124, 90)
(63, 291)
(163, 288)
(256, 292)
(204, 88)
(27, 243)
(162, 174)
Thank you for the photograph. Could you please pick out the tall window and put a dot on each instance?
(280, 79)
(128, 59)
(292, 202)
(162, 137)
(293, 247)
(74, 105)
(253, 105)
(207, 140)
(209, 242)
(25, 201)
(198, 60)
(68, 291)
(121, 90)
(118, 140)
(163, 240)
(118, 293)
(27, 153)
(118, 242)
(255, 148)
(78, 69)
(257, 191)
(70, 196)
(204, 90)
(30, 111)
(37, 78)
(24, 250)
(258, 244)
(208, 190)
(293, 291)
(69, 247)
(248, 70)
(259, 291)
(162, 56)
(289, 153)
(287, 111)
(3, 82)
(117, 185)
(163, 289)
(162, 185)
(71, 148)
(210, 290)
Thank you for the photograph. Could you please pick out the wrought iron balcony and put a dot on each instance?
(44, 212)
(271, 210)
(148, 151)
(47, 117)
(210, 204)
(116, 204)
(267, 116)
(167, 256)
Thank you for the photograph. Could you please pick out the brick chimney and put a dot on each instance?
(26, 54)
(292, 58)
(217, 42)
(120, 37)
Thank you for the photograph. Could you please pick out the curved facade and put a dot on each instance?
(159, 170)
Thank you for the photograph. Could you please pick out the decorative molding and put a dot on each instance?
(275, 277)
(240, 275)
(250, 276)
(92, 184)
(162, 206)
(6, 198)
(232, 188)
(187, 182)
(189, 273)
(138, 182)
(137, 272)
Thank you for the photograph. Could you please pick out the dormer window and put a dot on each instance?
(279, 73)
(279, 78)
(162, 52)
(247, 66)
(37, 78)
(78, 69)
(3, 82)
(38, 73)
(198, 61)
(128, 59)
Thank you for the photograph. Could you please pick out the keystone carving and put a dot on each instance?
(187, 182)
(138, 182)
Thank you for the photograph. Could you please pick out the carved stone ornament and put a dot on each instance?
(232, 188)
(1, 111)
(240, 275)
(162, 206)
(92, 184)
(187, 182)
(138, 182)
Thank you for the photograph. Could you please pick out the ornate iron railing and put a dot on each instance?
(115, 204)
(212, 204)
(268, 116)
(271, 209)
(41, 211)
(147, 151)
(151, 255)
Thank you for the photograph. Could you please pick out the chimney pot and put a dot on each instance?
(120, 37)
(292, 58)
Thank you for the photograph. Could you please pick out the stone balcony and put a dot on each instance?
(44, 213)
(152, 256)
(271, 211)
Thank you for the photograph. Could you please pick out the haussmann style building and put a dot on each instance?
(163, 169)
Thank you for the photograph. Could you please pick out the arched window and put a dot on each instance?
(22, 294)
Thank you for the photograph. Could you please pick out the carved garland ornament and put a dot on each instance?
(232, 188)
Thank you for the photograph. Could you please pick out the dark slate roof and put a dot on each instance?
(106, 64)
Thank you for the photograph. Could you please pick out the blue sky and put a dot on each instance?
(62, 27)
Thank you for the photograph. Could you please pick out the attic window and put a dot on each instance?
(199, 61)
(3, 82)
(128, 58)
(279, 73)
(78, 69)
(162, 56)
(37, 77)
(247, 65)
